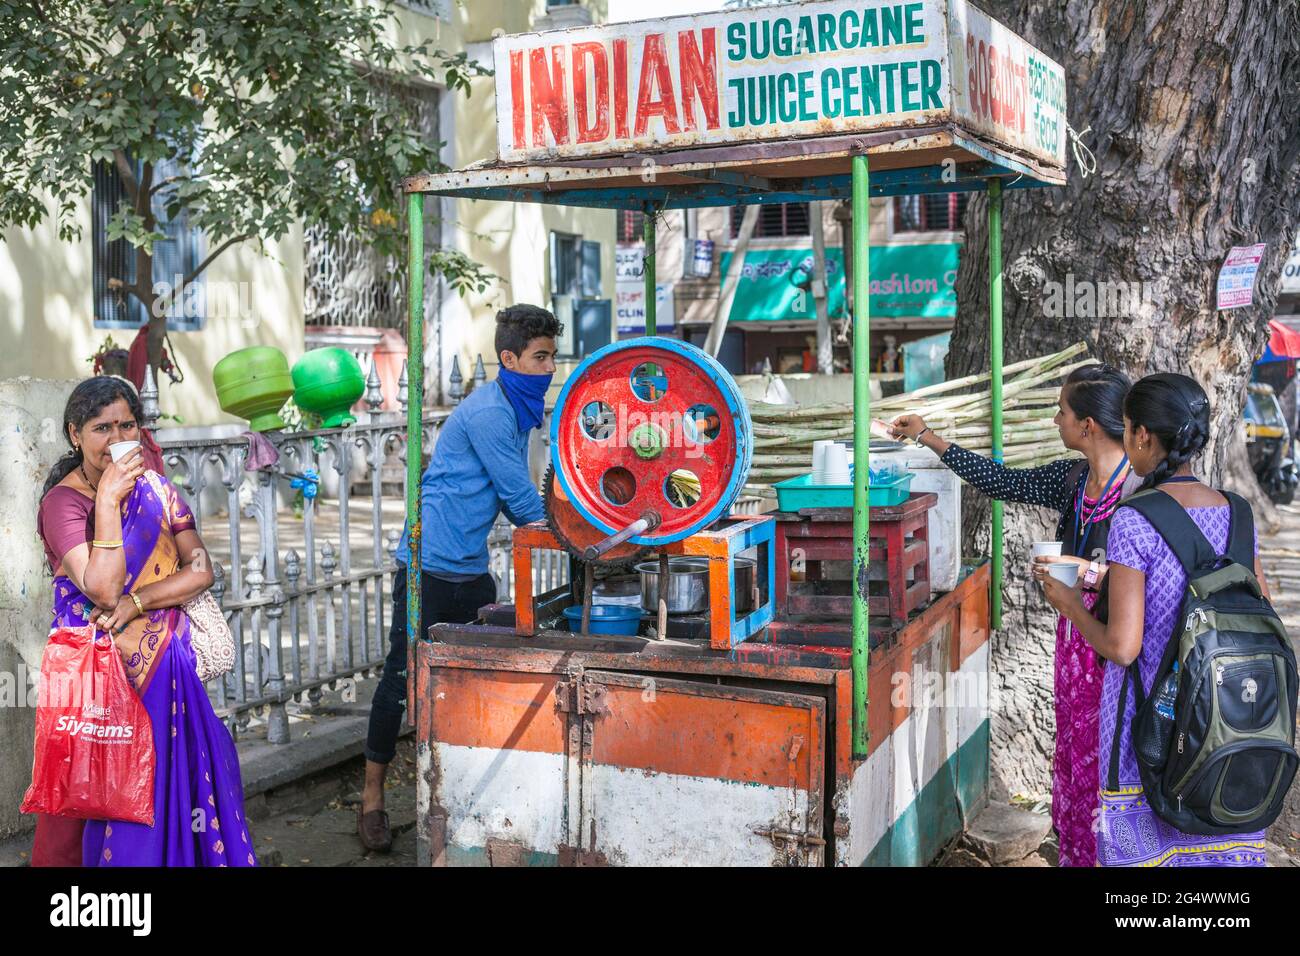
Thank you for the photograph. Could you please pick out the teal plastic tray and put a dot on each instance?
(795, 494)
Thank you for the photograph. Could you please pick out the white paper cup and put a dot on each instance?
(120, 449)
(1051, 549)
(1067, 572)
(819, 460)
(837, 459)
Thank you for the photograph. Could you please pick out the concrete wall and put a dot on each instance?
(32, 414)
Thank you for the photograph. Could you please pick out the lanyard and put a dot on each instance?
(1081, 526)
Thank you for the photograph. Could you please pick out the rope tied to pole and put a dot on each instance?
(1083, 156)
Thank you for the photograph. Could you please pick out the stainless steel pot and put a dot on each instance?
(688, 585)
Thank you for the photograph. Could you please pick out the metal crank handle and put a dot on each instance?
(647, 522)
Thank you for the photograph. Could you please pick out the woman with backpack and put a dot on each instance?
(1085, 493)
(1167, 419)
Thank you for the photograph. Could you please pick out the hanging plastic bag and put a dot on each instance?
(94, 742)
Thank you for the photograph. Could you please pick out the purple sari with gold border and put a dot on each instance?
(198, 798)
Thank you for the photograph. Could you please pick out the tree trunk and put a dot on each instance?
(1195, 117)
(157, 322)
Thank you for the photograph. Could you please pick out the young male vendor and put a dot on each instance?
(479, 469)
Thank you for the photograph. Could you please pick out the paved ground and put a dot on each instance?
(1280, 557)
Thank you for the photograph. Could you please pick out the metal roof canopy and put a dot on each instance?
(930, 159)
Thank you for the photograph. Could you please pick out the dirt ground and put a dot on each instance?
(313, 822)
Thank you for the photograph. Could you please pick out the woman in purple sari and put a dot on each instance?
(1167, 423)
(122, 546)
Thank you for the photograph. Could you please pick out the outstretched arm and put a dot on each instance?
(1045, 485)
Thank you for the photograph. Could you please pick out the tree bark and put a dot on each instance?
(1195, 116)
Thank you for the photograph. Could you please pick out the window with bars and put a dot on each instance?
(113, 263)
(349, 284)
(434, 8)
(778, 219)
(631, 225)
(930, 212)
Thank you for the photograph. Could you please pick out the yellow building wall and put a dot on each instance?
(47, 312)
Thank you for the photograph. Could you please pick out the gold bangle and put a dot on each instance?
(96, 543)
(138, 606)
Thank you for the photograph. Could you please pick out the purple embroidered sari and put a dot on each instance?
(198, 797)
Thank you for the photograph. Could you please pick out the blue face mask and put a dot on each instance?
(527, 395)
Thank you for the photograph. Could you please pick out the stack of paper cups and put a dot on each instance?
(837, 465)
(819, 461)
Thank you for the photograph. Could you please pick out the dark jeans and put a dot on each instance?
(441, 602)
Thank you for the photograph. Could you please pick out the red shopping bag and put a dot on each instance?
(94, 743)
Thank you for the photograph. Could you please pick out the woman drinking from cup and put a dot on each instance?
(1084, 494)
(126, 556)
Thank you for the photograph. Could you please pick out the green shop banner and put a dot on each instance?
(907, 281)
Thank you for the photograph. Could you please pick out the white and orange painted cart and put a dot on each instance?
(551, 747)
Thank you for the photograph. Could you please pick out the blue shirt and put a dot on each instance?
(479, 469)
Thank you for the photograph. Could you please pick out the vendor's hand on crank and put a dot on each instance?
(1041, 563)
(907, 426)
(115, 620)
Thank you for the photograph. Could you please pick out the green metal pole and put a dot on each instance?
(648, 232)
(995, 359)
(861, 444)
(414, 408)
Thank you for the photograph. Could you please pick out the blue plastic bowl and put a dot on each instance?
(606, 618)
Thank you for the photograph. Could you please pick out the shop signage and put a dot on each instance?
(774, 72)
(907, 281)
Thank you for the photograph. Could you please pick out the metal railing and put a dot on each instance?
(304, 584)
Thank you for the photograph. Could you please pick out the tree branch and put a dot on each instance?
(125, 171)
(167, 182)
(213, 254)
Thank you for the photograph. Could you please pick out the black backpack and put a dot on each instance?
(1214, 735)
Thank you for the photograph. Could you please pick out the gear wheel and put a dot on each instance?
(575, 534)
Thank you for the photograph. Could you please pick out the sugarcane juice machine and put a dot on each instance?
(651, 442)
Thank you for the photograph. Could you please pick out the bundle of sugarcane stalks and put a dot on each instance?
(958, 410)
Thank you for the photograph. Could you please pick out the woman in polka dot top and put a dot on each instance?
(1084, 493)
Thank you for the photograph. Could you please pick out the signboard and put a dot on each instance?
(699, 258)
(1236, 286)
(629, 291)
(907, 281)
(1003, 87)
(773, 72)
(629, 307)
(629, 260)
(1291, 273)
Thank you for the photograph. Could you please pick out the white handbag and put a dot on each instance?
(214, 645)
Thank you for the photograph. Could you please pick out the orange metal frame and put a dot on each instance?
(719, 545)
